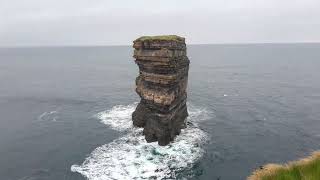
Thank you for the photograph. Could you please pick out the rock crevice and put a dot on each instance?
(161, 84)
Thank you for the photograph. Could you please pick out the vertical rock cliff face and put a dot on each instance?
(161, 84)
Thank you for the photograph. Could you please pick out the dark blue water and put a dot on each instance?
(261, 104)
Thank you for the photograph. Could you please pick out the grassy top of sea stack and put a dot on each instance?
(161, 38)
(304, 169)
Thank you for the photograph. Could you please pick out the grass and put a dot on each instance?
(161, 38)
(304, 169)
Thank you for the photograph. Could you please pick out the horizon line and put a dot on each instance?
(97, 45)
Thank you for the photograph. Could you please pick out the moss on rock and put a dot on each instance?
(161, 38)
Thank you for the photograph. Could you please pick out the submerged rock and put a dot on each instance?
(161, 84)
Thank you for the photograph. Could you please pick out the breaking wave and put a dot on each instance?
(49, 116)
(131, 157)
(118, 117)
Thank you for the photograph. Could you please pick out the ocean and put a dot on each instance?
(65, 113)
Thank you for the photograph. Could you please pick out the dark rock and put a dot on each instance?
(161, 84)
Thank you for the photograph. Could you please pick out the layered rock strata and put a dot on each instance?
(161, 84)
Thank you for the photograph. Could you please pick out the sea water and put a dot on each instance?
(66, 113)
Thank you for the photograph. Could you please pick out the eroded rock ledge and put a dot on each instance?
(161, 84)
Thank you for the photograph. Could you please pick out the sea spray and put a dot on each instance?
(131, 157)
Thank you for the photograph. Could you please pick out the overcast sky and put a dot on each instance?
(118, 22)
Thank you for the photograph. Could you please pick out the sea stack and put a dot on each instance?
(161, 84)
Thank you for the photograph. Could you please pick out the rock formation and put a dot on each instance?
(161, 84)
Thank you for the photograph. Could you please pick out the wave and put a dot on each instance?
(118, 117)
(131, 157)
(49, 116)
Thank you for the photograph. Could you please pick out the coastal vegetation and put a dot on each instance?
(161, 38)
(304, 169)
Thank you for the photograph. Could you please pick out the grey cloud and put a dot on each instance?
(84, 22)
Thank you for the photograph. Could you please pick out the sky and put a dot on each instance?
(119, 22)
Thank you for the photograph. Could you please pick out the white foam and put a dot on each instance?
(49, 116)
(131, 157)
(118, 117)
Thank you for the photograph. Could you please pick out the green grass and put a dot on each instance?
(304, 169)
(297, 172)
(161, 38)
